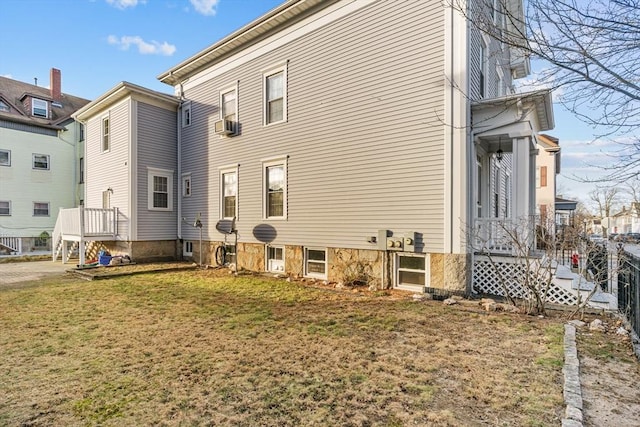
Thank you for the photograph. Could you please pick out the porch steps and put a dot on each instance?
(573, 282)
(13, 244)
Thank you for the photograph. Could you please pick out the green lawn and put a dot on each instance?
(203, 348)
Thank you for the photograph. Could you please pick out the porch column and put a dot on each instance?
(524, 180)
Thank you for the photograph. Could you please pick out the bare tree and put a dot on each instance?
(604, 198)
(592, 48)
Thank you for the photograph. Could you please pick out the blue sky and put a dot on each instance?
(99, 43)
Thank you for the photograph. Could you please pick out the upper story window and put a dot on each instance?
(186, 114)
(483, 69)
(5, 157)
(229, 107)
(3, 106)
(275, 95)
(106, 139)
(229, 192)
(81, 170)
(5, 208)
(41, 161)
(39, 108)
(81, 132)
(40, 208)
(186, 185)
(160, 189)
(275, 189)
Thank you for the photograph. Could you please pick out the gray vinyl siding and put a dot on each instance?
(364, 136)
(109, 169)
(156, 149)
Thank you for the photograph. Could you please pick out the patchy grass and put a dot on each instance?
(203, 348)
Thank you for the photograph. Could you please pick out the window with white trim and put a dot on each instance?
(229, 193)
(106, 140)
(275, 189)
(39, 108)
(41, 161)
(229, 106)
(411, 270)
(275, 259)
(5, 208)
(275, 95)
(40, 208)
(81, 170)
(186, 114)
(315, 263)
(186, 185)
(160, 188)
(5, 157)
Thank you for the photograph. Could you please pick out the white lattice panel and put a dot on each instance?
(487, 280)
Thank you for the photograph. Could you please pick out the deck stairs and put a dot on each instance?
(77, 227)
(12, 244)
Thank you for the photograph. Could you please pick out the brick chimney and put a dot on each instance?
(55, 81)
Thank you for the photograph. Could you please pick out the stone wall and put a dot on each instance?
(149, 251)
(355, 267)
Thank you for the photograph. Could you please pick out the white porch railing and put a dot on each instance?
(14, 244)
(81, 224)
(504, 236)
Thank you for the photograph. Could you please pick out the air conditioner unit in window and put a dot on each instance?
(223, 127)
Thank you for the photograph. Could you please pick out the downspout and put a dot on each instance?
(451, 129)
(179, 168)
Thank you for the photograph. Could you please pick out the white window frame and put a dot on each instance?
(7, 206)
(187, 114)
(223, 92)
(484, 46)
(397, 269)
(268, 163)
(187, 248)
(163, 173)
(105, 134)
(307, 273)
(81, 170)
(33, 163)
(8, 162)
(274, 265)
(187, 188)
(44, 105)
(41, 215)
(226, 170)
(265, 109)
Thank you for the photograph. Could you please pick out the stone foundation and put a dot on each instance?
(457, 272)
(355, 267)
(149, 251)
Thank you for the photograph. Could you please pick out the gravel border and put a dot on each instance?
(571, 370)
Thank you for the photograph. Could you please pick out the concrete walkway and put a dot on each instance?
(16, 272)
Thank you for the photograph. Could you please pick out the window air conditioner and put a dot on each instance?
(223, 127)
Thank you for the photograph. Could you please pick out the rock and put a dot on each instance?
(325, 282)
(597, 325)
(450, 301)
(418, 297)
(339, 285)
(577, 323)
(490, 306)
(457, 297)
(508, 308)
(373, 287)
(622, 331)
(289, 279)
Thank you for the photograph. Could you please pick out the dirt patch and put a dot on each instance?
(609, 375)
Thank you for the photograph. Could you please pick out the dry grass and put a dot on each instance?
(198, 348)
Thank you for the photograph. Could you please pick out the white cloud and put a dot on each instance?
(123, 4)
(205, 7)
(145, 48)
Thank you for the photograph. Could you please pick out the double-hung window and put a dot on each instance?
(160, 191)
(39, 108)
(186, 114)
(5, 208)
(186, 184)
(229, 107)
(275, 95)
(5, 157)
(41, 161)
(229, 192)
(106, 134)
(275, 188)
(40, 208)
(483, 69)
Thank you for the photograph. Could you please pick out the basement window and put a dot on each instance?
(411, 271)
(315, 263)
(187, 248)
(275, 259)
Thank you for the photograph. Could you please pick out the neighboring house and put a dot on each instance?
(331, 146)
(547, 167)
(626, 221)
(40, 161)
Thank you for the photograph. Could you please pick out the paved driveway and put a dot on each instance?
(28, 271)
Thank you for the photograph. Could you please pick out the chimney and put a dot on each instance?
(55, 81)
